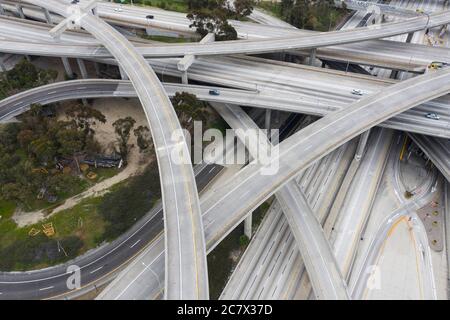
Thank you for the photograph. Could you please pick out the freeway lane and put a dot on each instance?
(101, 88)
(186, 268)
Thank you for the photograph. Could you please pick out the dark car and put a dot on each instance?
(214, 92)
(150, 16)
(75, 1)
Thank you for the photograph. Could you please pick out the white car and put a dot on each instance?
(357, 92)
(432, 115)
(118, 9)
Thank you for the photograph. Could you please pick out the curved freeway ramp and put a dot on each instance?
(186, 268)
(229, 205)
(106, 88)
(319, 260)
(296, 153)
(314, 40)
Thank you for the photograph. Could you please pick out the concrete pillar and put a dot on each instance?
(184, 78)
(2, 11)
(67, 67)
(97, 69)
(362, 145)
(2, 66)
(123, 75)
(82, 67)
(48, 18)
(267, 121)
(409, 37)
(312, 56)
(394, 74)
(20, 11)
(84, 75)
(248, 226)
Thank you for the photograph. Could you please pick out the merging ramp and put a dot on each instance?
(105, 88)
(229, 205)
(186, 269)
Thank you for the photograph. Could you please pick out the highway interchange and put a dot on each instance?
(174, 254)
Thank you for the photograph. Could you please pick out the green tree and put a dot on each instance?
(123, 127)
(43, 148)
(22, 77)
(187, 107)
(243, 8)
(143, 138)
(85, 117)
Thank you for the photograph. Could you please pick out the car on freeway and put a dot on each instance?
(357, 92)
(150, 16)
(435, 65)
(75, 1)
(118, 9)
(214, 92)
(432, 115)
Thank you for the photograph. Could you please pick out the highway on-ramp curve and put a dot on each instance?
(288, 102)
(231, 202)
(186, 268)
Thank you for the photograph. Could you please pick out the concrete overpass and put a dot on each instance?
(105, 88)
(186, 269)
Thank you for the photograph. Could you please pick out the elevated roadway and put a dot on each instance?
(229, 205)
(103, 88)
(319, 260)
(315, 40)
(186, 269)
(382, 53)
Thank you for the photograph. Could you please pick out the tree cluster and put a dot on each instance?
(29, 150)
(188, 107)
(211, 16)
(22, 77)
(123, 127)
(309, 14)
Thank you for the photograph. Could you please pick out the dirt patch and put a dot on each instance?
(113, 109)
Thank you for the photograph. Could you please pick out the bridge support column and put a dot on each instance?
(312, 56)
(184, 64)
(82, 67)
(84, 74)
(67, 67)
(20, 11)
(248, 225)
(48, 18)
(123, 75)
(184, 78)
(409, 37)
(362, 145)
(268, 121)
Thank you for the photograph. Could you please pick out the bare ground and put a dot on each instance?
(113, 109)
